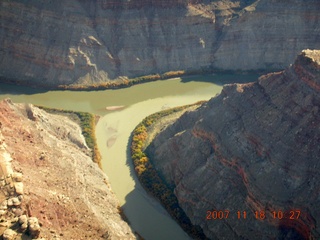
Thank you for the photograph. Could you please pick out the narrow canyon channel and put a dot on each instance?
(145, 214)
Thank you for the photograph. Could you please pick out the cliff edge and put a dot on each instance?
(252, 151)
(52, 43)
(50, 188)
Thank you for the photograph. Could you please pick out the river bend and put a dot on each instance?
(145, 214)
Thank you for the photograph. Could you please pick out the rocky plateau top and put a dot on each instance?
(51, 43)
(49, 186)
(254, 147)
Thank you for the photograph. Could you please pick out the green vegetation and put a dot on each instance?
(123, 82)
(87, 124)
(149, 177)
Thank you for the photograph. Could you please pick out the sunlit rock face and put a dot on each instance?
(48, 179)
(253, 148)
(50, 43)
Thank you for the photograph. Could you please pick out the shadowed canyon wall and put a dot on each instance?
(255, 147)
(51, 43)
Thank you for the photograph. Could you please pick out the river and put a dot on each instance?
(145, 214)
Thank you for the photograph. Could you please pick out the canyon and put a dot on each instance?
(252, 152)
(53, 44)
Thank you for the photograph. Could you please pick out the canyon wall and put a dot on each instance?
(50, 188)
(253, 148)
(53, 43)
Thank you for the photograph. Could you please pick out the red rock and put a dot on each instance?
(253, 148)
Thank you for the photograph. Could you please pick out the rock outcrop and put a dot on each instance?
(50, 188)
(52, 43)
(255, 148)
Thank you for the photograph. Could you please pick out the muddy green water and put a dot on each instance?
(145, 214)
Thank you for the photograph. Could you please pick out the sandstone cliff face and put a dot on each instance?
(50, 188)
(255, 147)
(51, 43)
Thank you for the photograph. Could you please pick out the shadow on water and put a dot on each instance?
(142, 216)
(149, 219)
(221, 79)
(218, 79)
(143, 219)
(6, 88)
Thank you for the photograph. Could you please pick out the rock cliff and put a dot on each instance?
(50, 188)
(253, 148)
(51, 43)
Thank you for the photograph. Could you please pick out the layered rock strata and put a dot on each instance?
(52, 43)
(50, 188)
(253, 151)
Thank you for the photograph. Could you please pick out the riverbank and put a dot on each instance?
(124, 82)
(87, 122)
(147, 174)
(140, 101)
(128, 82)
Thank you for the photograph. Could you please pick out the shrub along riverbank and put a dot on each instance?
(149, 177)
(87, 122)
(122, 83)
(126, 82)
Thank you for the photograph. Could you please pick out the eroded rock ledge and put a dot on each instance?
(255, 147)
(50, 188)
